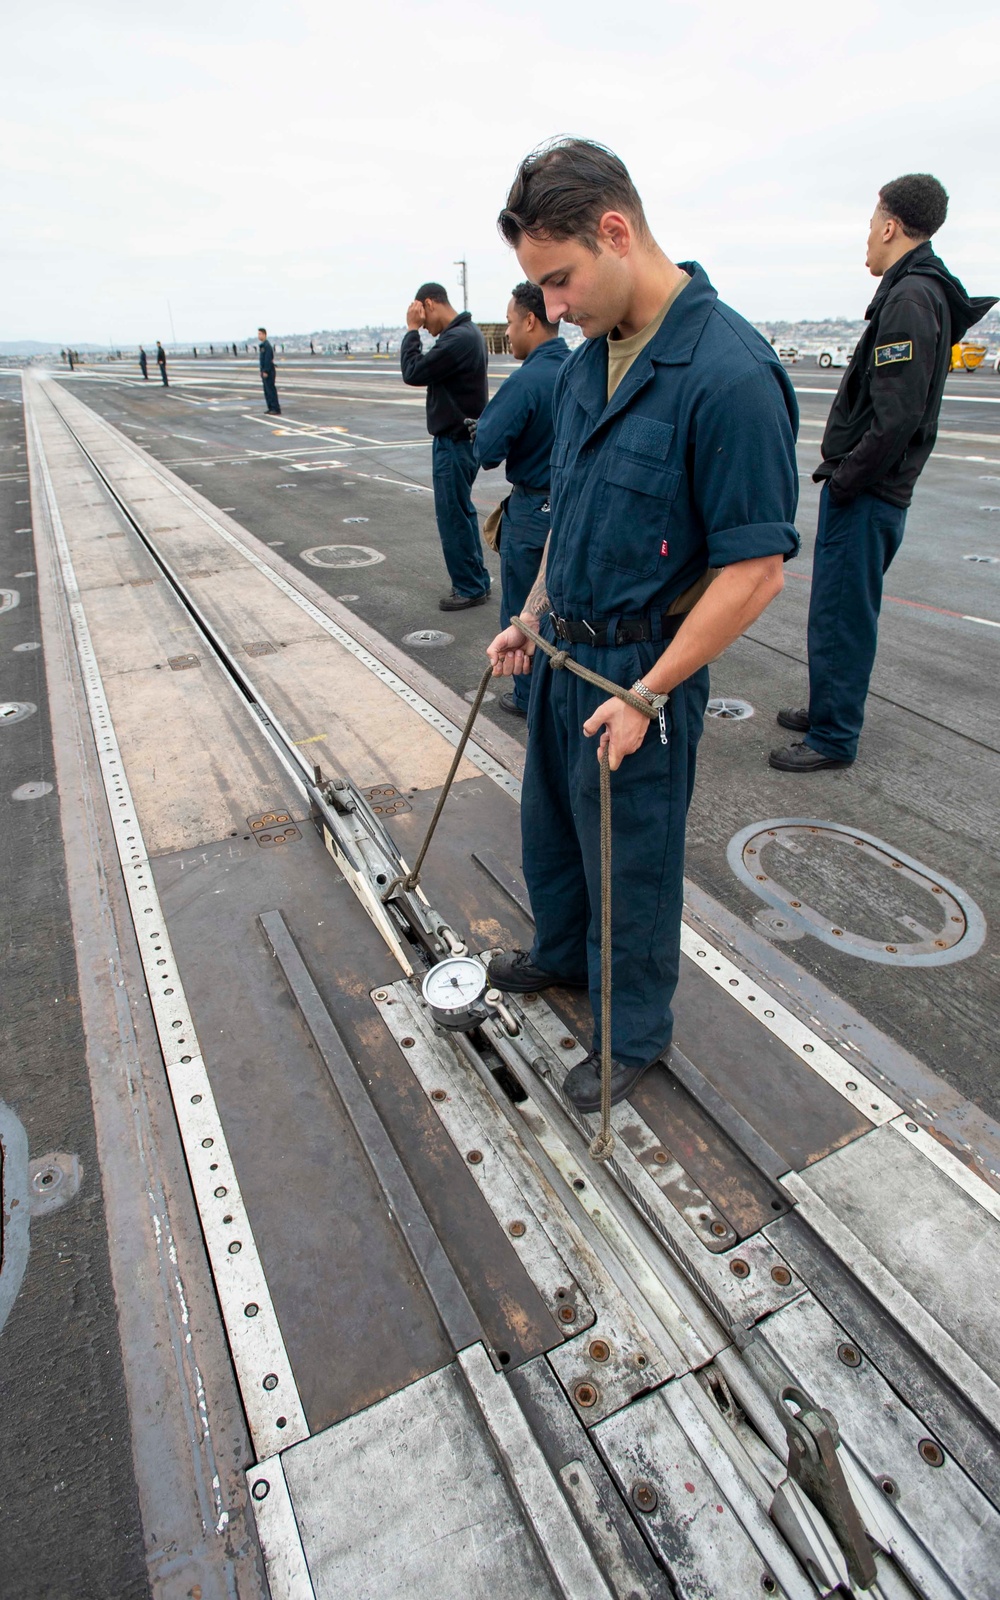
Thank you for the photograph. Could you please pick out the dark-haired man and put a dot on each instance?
(517, 427)
(267, 374)
(453, 371)
(880, 431)
(161, 362)
(674, 457)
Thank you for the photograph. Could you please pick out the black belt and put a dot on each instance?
(627, 630)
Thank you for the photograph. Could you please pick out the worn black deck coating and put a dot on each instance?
(928, 778)
(69, 1515)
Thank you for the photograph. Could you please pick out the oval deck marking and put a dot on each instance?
(932, 923)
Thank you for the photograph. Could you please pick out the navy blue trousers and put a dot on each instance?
(855, 544)
(453, 474)
(523, 532)
(561, 844)
(270, 392)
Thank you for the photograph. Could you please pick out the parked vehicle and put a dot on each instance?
(968, 355)
(789, 353)
(834, 355)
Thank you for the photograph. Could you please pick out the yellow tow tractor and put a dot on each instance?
(967, 356)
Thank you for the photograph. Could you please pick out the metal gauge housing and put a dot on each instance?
(454, 991)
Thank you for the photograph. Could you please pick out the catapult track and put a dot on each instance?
(422, 1249)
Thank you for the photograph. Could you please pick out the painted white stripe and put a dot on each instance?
(844, 1076)
(280, 1541)
(274, 1412)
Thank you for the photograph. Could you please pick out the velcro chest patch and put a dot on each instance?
(885, 354)
(645, 436)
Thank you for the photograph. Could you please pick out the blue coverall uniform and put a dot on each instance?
(690, 465)
(266, 356)
(517, 427)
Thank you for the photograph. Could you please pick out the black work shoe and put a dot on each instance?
(801, 757)
(797, 721)
(462, 602)
(514, 972)
(582, 1083)
(507, 703)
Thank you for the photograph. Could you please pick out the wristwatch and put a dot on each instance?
(655, 702)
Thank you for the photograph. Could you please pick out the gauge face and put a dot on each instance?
(455, 984)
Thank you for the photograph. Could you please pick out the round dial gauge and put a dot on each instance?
(454, 989)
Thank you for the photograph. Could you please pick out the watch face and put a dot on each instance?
(455, 984)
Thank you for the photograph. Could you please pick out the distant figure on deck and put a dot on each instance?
(879, 434)
(267, 374)
(453, 371)
(142, 365)
(161, 362)
(517, 427)
(69, 358)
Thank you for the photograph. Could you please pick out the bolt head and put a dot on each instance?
(644, 1496)
(849, 1355)
(739, 1268)
(931, 1452)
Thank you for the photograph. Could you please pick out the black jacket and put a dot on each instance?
(453, 372)
(883, 423)
(266, 353)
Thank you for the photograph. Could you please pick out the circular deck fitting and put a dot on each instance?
(31, 791)
(428, 638)
(989, 561)
(856, 893)
(15, 711)
(728, 710)
(341, 555)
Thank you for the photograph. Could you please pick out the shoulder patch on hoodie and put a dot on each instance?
(885, 353)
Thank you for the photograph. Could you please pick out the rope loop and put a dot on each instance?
(601, 1146)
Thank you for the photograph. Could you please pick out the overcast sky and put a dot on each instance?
(307, 164)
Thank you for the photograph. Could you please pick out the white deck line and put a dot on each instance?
(275, 1414)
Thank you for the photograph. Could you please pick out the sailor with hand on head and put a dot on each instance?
(673, 464)
(517, 427)
(453, 371)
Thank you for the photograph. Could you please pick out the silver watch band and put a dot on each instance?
(655, 701)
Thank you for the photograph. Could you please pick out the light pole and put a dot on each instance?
(463, 279)
(170, 314)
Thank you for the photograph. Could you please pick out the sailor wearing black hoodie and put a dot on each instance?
(879, 434)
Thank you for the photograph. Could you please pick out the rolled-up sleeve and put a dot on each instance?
(744, 473)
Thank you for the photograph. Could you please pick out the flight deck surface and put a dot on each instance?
(447, 1353)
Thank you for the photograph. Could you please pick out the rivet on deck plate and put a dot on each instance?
(931, 1453)
(585, 1395)
(567, 1043)
(600, 1350)
(517, 1229)
(474, 1157)
(782, 1276)
(849, 1355)
(739, 1268)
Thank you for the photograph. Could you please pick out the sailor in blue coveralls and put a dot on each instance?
(674, 489)
(516, 427)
